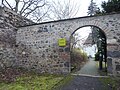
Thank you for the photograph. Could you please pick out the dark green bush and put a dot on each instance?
(97, 56)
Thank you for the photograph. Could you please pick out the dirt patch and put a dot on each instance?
(10, 74)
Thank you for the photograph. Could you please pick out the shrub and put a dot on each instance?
(78, 58)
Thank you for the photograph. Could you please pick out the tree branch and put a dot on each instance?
(8, 4)
(32, 10)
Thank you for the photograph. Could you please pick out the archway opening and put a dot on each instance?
(88, 51)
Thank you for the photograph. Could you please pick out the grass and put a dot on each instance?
(114, 82)
(103, 63)
(63, 82)
(32, 82)
(102, 72)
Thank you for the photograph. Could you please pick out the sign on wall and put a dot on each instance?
(62, 42)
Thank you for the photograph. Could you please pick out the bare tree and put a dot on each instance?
(26, 8)
(62, 9)
(77, 41)
(40, 14)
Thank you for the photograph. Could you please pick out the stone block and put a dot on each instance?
(109, 65)
(67, 64)
(113, 54)
(67, 49)
(117, 67)
(61, 50)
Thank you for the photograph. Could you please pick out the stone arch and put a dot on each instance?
(94, 23)
(103, 31)
(58, 57)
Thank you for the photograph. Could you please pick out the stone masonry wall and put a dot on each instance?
(45, 55)
(9, 21)
(36, 47)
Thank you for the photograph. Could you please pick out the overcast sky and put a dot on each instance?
(83, 5)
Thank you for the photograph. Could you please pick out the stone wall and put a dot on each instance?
(36, 47)
(44, 53)
(9, 21)
(47, 56)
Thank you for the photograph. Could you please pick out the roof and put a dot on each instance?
(89, 40)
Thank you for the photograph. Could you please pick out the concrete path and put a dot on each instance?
(90, 68)
(85, 83)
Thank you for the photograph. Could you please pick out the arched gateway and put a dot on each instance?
(45, 48)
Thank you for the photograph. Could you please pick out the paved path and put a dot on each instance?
(87, 78)
(85, 83)
(90, 68)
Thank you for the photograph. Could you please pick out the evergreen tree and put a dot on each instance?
(93, 9)
(111, 6)
(98, 36)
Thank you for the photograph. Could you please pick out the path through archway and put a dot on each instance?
(88, 51)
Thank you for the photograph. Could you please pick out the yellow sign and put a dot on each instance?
(62, 42)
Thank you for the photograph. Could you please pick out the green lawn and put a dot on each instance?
(114, 82)
(32, 82)
(102, 72)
